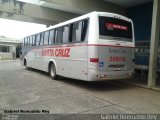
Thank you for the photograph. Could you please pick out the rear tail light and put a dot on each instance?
(94, 63)
(94, 60)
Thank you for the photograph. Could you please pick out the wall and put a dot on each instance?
(12, 43)
(8, 55)
(142, 18)
(5, 56)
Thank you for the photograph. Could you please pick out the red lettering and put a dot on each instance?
(52, 52)
(67, 51)
(49, 52)
(56, 53)
(113, 58)
(111, 26)
(62, 52)
(117, 59)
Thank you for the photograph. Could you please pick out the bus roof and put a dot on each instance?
(80, 18)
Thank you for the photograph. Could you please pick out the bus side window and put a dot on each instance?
(33, 40)
(84, 29)
(30, 40)
(70, 32)
(51, 37)
(58, 35)
(42, 38)
(46, 36)
(37, 39)
(25, 42)
(65, 34)
(76, 33)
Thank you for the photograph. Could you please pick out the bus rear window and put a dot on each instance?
(114, 27)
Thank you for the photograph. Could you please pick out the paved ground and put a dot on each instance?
(34, 90)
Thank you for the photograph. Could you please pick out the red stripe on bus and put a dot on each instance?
(110, 45)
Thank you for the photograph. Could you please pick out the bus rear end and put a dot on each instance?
(115, 49)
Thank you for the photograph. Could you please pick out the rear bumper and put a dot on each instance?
(95, 75)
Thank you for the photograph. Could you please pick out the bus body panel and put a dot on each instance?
(115, 59)
(77, 56)
(121, 66)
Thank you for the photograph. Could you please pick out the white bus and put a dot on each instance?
(93, 47)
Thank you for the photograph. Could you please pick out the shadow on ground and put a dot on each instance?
(108, 85)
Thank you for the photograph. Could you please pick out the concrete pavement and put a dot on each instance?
(22, 89)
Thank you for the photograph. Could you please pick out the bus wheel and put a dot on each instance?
(52, 70)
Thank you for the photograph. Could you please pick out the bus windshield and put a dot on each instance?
(114, 27)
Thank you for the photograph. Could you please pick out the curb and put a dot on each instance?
(141, 86)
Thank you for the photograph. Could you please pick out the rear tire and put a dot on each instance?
(52, 71)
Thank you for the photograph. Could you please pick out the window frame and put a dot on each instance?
(71, 32)
(41, 43)
(59, 30)
(51, 42)
(56, 35)
(44, 40)
(67, 41)
(25, 41)
(39, 34)
(28, 41)
(33, 40)
(5, 49)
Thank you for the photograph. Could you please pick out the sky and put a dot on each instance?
(18, 29)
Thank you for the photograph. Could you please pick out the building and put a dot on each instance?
(7, 46)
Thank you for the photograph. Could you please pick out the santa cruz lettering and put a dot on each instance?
(59, 52)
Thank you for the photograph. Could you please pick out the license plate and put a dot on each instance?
(116, 68)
